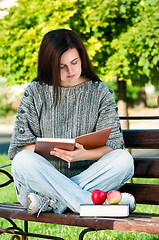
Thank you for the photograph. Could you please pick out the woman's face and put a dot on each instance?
(70, 68)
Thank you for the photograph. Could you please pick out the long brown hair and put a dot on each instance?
(53, 45)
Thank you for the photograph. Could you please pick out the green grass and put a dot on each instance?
(8, 194)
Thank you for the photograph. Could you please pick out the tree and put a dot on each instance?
(121, 37)
(22, 31)
(124, 42)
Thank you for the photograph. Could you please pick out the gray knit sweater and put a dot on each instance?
(84, 108)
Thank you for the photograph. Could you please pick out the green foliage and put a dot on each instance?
(136, 50)
(5, 106)
(22, 31)
(124, 38)
(5, 109)
(121, 36)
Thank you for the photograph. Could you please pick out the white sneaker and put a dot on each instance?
(37, 204)
(128, 198)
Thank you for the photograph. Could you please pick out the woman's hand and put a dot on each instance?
(80, 153)
(70, 156)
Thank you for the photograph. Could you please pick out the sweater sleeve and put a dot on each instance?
(26, 128)
(108, 117)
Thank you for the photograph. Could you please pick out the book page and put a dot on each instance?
(65, 140)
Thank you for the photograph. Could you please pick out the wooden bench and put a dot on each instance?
(144, 194)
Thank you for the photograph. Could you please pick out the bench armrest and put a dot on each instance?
(7, 174)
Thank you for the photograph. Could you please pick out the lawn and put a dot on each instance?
(7, 194)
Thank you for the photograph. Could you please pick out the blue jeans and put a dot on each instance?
(33, 173)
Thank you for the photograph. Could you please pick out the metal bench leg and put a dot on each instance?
(25, 230)
(15, 237)
(81, 236)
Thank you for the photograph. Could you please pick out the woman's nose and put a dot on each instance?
(69, 69)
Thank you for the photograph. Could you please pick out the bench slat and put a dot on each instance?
(146, 167)
(141, 138)
(145, 223)
(143, 193)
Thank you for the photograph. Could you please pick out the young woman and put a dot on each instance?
(67, 99)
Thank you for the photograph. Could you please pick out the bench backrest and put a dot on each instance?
(145, 167)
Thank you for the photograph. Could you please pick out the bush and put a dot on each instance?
(9, 98)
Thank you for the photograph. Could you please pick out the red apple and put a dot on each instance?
(114, 197)
(98, 196)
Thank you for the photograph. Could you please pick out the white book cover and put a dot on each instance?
(104, 210)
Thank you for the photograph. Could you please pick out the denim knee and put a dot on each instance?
(126, 163)
(21, 160)
(121, 162)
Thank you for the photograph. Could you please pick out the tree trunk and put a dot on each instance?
(122, 103)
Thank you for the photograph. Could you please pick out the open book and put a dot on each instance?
(43, 146)
(104, 210)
